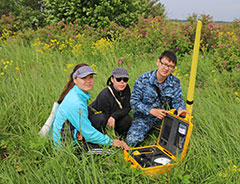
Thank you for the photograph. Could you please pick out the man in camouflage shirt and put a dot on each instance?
(153, 93)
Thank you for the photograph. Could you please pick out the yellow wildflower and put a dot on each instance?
(69, 65)
(225, 175)
(102, 45)
(215, 80)
(220, 174)
(238, 99)
(2, 73)
(213, 71)
(236, 93)
(45, 46)
(5, 67)
(77, 50)
(234, 168)
(62, 46)
(17, 68)
(53, 41)
(18, 168)
(65, 70)
(93, 66)
(80, 36)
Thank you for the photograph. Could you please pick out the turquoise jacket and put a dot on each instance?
(74, 109)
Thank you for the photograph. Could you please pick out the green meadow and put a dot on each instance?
(33, 73)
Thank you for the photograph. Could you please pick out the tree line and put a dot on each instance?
(98, 14)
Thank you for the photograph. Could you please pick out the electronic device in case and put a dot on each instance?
(172, 142)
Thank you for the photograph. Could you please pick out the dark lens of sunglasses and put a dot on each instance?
(120, 79)
(125, 79)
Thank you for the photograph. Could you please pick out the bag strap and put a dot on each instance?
(119, 104)
(165, 104)
(158, 91)
(156, 88)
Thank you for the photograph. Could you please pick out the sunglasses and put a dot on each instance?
(125, 79)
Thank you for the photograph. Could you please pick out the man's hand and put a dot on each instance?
(120, 144)
(182, 112)
(159, 113)
(111, 122)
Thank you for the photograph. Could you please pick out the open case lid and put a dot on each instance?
(175, 134)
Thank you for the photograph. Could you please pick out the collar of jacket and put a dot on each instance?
(81, 93)
(168, 81)
(118, 93)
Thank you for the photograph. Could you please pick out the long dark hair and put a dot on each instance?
(70, 83)
(109, 82)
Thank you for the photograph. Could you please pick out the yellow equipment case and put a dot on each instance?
(172, 142)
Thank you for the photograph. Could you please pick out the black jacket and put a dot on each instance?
(106, 103)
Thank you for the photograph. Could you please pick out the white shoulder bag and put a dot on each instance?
(48, 124)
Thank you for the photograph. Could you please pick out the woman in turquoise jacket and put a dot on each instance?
(72, 114)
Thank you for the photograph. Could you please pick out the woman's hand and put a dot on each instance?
(79, 136)
(159, 113)
(120, 144)
(111, 122)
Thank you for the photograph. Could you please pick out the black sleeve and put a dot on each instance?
(103, 103)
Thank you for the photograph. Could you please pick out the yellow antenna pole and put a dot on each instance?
(192, 81)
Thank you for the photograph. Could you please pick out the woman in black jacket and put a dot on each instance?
(112, 105)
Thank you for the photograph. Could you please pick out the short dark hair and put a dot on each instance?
(170, 55)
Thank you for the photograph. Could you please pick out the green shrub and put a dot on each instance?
(97, 14)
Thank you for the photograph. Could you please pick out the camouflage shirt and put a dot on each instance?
(145, 95)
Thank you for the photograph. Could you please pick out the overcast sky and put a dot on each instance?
(220, 10)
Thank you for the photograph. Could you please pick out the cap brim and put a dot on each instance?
(118, 76)
(86, 74)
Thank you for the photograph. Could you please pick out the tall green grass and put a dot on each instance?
(27, 95)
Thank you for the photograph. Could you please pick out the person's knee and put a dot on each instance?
(99, 121)
(101, 117)
(134, 136)
(128, 120)
(102, 121)
(123, 124)
(137, 131)
(133, 140)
